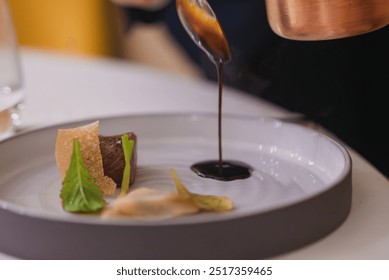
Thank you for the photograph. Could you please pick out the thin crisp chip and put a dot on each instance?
(90, 150)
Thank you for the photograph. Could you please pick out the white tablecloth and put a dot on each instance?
(62, 88)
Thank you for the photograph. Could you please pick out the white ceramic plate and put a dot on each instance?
(300, 190)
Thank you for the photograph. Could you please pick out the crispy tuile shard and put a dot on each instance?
(90, 150)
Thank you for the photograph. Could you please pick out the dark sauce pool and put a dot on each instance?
(228, 171)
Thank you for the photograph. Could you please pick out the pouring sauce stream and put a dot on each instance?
(203, 27)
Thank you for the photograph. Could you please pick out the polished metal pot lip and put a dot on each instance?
(324, 20)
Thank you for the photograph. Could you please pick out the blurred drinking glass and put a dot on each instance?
(11, 96)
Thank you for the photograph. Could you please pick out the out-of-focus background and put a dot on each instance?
(91, 27)
(96, 28)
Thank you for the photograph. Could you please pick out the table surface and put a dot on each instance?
(61, 88)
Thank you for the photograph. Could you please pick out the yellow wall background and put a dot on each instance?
(92, 27)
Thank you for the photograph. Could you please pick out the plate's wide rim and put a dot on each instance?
(81, 219)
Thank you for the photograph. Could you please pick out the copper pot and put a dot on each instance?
(326, 19)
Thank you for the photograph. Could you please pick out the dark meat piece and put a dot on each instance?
(113, 157)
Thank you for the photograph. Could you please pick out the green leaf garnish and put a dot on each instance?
(128, 147)
(79, 191)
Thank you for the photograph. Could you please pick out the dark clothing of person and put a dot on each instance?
(339, 84)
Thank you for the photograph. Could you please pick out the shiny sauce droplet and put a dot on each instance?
(229, 171)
